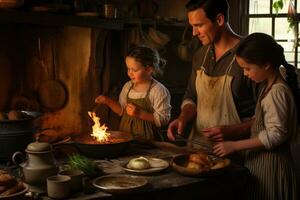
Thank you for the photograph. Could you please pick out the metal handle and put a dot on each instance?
(16, 156)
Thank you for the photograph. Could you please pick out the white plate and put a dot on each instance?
(120, 183)
(156, 164)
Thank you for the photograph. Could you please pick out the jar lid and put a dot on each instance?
(39, 146)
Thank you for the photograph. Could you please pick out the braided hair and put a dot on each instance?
(260, 49)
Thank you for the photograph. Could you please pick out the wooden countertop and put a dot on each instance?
(171, 185)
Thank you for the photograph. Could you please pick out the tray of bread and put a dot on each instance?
(199, 164)
(11, 187)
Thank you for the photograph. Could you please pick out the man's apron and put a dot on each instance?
(215, 104)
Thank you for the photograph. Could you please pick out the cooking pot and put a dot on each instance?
(105, 150)
(15, 135)
(11, 126)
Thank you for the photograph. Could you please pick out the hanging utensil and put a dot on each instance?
(53, 93)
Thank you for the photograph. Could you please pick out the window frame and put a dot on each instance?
(273, 16)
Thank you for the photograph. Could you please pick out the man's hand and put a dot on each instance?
(176, 127)
(217, 134)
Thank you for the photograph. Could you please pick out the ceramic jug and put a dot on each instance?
(39, 165)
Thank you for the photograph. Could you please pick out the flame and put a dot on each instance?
(99, 131)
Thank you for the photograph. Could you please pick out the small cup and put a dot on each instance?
(76, 178)
(59, 187)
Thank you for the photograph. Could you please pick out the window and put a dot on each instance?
(263, 18)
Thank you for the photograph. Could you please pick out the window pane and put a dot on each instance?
(282, 31)
(288, 51)
(263, 25)
(284, 9)
(259, 6)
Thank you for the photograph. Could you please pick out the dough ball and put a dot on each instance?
(139, 163)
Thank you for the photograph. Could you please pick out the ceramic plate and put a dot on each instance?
(156, 164)
(179, 164)
(120, 183)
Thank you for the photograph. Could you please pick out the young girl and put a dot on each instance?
(144, 103)
(274, 128)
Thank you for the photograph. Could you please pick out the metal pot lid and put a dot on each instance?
(38, 147)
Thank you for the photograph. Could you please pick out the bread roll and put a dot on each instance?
(15, 115)
(200, 158)
(2, 171)
(3, 116)
(139, 163)
(193, 165)
(14, 189)
(7, 180)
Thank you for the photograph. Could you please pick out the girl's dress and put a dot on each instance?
(140, 128)
(272, 169)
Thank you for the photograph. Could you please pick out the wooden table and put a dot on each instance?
(168, 184)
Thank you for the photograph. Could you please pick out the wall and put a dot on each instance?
(78, 70)
(22, 62)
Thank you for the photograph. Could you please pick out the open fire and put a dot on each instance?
(99, 131)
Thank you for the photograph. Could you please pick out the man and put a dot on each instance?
(218, 93)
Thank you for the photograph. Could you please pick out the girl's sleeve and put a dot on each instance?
(276, 108)
(160, 99)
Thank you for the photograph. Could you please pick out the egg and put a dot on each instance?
(139, 163)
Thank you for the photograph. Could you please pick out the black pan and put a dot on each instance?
(111, 150)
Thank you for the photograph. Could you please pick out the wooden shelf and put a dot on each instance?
(57, 19)
(48, 18)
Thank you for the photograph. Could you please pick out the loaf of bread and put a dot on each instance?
(7, 180)
(13, 189)
(3, 116)
(15, 115)
(200, 158)
(2, 171)
(9, 184)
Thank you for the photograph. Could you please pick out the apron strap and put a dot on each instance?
(148, 91)
(204, 59)
(127, 95)
(228, 70)
(230, 66)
